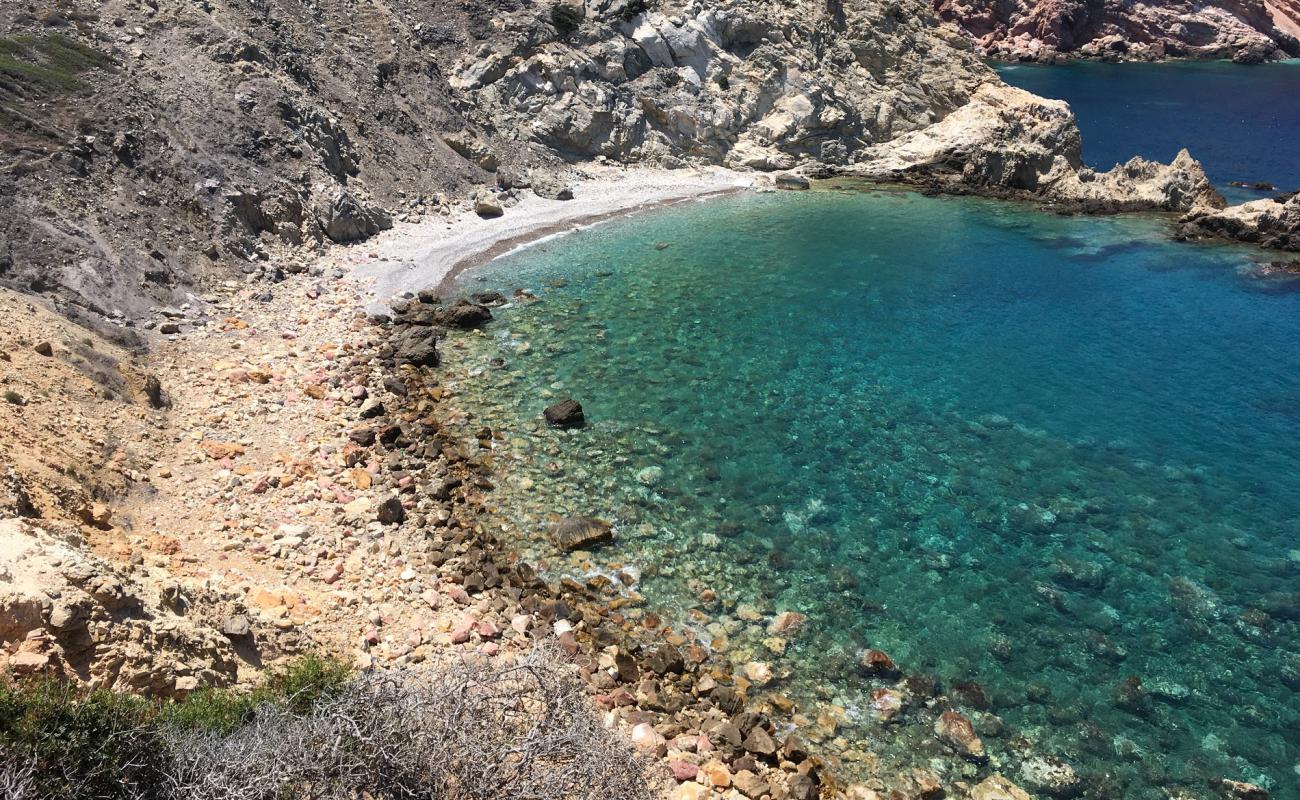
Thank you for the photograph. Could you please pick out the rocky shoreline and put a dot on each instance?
(720, 729)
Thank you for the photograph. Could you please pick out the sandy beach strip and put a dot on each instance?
(427, 254)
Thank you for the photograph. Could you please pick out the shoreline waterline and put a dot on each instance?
(428, 254)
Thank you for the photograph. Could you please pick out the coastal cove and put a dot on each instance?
(1043, 460)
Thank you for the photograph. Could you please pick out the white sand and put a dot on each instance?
(421, 255)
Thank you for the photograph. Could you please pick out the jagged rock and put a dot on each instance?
(153, 391)
(347, 219)
(1006, 138)
(65, 610)
(565, 414)
(465, 314)
(580, 533)
(237, 627)
(44, 349)
(324, 135)
(1271, 223)
(390, 511)
(14, 499)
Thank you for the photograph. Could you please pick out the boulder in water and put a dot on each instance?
(579, 533)
(565, 414)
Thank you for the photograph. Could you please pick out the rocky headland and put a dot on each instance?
(1048, 31)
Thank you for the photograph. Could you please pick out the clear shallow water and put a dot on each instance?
(1242, 122)
(1039, 453)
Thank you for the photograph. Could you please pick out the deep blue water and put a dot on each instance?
(1242, 123)
(1044, 454)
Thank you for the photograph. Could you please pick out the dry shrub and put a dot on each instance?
(473, 730)
(17, 777)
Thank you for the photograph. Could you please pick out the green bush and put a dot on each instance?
(13, 397)
(82, 744)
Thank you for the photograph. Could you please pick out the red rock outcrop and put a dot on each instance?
(1248, 31)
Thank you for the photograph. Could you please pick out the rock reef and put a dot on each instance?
(1272, 223)
(1247, 31)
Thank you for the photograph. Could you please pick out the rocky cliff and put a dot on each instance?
(1248, 31)
(151, 150)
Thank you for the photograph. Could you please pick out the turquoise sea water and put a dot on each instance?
(1243, 123)
(1054, 457)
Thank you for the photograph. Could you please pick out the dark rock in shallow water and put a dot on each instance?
(956, 731)
(565, 414)
(489, 298)
(877, 663)
(576, 533)
(465, 314)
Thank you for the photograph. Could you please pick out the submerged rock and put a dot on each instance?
(956, 731)
(579, 533)
(565, 414)
(996, 787)
(1050, 776)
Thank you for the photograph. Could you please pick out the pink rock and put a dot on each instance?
(521, 622)
(333, 573)
(372, 637)
(704, 746)
(460, 633)
(457, 592)
(683, 770)
(490, 648)
(488, 629)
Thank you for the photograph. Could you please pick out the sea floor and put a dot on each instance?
(1051, 463)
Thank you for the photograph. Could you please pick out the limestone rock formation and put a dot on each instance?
(1272, 223)
(1009, 139)
(1247, 31)
(65, 611)
(752, 83)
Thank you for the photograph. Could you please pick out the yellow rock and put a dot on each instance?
(997, 787)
